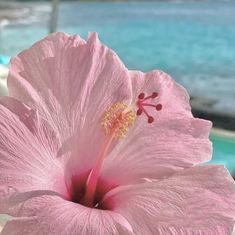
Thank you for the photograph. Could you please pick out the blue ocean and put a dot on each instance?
(192, 41)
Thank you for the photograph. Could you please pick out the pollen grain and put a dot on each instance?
(117, 119)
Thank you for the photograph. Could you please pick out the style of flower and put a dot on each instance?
(90, 148)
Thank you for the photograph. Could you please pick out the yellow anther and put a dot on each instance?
(117, 119)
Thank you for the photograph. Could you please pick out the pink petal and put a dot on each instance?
(175, 140)
(200, 200)
(53, 215)
(71, 83)
(37, 126)
(26, 164)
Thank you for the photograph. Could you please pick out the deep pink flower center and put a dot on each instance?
(78, 191)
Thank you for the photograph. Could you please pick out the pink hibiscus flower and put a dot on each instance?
(90, 148)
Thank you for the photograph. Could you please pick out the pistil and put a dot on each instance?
(116, 122)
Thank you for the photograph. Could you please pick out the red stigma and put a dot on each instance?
(141, 96)
(150, 119)
(141, 104)
(154, 95)
(139, 112)
(158, 107)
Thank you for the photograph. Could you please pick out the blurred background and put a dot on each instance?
(194, 41)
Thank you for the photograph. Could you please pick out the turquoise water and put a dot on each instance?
(194, 42)
(224, 152)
